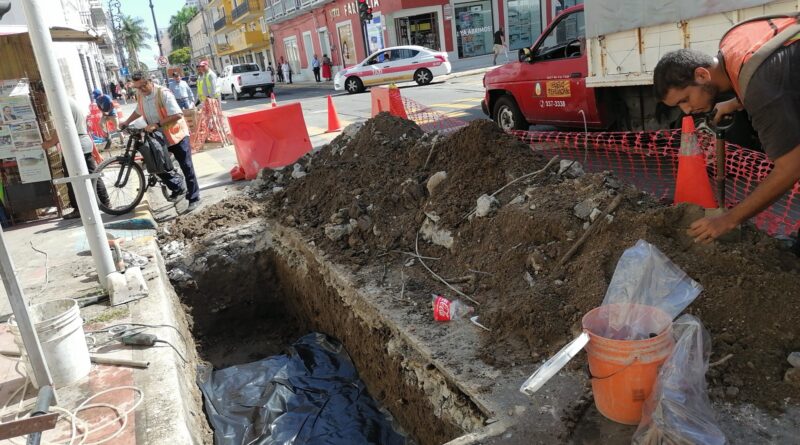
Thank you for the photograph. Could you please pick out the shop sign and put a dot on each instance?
(471, 31)
(351, 8)
(448, 11)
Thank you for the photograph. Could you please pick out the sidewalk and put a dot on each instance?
(161, 403)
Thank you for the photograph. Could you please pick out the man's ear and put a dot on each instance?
(702, 75)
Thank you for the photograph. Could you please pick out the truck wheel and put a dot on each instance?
(235, 94)
(353, 85)
(507, 115)
(251, 94)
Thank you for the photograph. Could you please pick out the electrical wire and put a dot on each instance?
(46, 269)
(175, 349)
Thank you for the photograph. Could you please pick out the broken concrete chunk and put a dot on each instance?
(570, 169)
(487, 205)
(433, 234)
(297, 171)
(434, 181)
(595, 213)
(529, 279)
(433, 216)
(792, 377)
(352, 129)
(335, 232)
(519, 199)
(794, 359)
(277, 189)
(583, 209)
(612, 183)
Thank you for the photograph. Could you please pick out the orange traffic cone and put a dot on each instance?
(396, 106)
(692, 184)
(274, 102)
(333, 118)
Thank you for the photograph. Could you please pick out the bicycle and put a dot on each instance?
(125, 179)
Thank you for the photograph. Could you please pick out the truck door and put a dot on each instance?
(556, 92)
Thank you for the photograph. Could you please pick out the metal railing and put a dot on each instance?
(275, 9)
(219, 24)
(240, 10)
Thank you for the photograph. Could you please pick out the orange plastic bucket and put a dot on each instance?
(624, 371)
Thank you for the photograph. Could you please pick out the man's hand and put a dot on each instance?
(705, 230)
(150, 128)
(725, 108)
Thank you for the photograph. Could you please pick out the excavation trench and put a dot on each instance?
(251, 294)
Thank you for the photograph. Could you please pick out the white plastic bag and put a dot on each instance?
(678, 410)
(645, 276)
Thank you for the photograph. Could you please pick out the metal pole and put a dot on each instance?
(68, 135)
(20, 308)
(158, 39)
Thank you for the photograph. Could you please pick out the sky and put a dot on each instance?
(164, 9)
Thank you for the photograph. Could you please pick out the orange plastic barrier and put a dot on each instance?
(388, 99)
(270, 138)
(692, 184)
(624, 371)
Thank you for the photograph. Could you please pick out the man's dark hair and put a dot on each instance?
(676, 70)
(138, 76)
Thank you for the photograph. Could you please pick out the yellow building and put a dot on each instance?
(240, 33)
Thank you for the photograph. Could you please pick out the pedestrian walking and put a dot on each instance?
(287, 71)
(161, 113)
(315, 67)
(326, 68)
(757, 61)
(180, 89)
(87, 145)
(499, 45)
(280, 71)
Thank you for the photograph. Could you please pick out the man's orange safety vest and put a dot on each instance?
(745, 46)
(174, 132)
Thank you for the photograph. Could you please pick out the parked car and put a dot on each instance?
(245, 78)
(391, 65)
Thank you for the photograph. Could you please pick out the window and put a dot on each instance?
(563, 40)
(404, 53)
(245, 68)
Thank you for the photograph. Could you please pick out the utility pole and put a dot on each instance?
(116, 26)
(158, 39)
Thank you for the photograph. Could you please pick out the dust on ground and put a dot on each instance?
(364, 197)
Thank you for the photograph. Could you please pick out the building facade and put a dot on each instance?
(240, 33)
(462, 28)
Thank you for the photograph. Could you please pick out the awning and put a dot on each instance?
(58, 33)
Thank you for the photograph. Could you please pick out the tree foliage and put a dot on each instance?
(134, 37)
(178, 26)
(181, 56)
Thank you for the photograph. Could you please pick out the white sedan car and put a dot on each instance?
(392, 65)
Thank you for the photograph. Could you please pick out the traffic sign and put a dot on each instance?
(163, 62)
(123, 71)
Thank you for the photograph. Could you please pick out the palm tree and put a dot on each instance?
(178, 31)
(134, 36)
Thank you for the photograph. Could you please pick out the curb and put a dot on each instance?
(142, 219)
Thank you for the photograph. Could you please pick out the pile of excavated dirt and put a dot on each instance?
(364, 197)
(227, 213)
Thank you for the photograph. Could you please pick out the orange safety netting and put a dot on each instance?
(649, 161)
(211, 126)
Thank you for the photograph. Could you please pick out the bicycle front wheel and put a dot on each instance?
(124, 183)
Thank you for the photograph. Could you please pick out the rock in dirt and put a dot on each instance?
(435, 180)
(792, 377)
(335, 232)
(486, 206)
(536, 261)
(433, 234)
(794, 359)
(351, 130)
(297, 171)
(584, 209)
(570, 169)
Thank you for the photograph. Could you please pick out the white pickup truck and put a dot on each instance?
(245, 78)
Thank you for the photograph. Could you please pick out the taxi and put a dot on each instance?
(393, 65)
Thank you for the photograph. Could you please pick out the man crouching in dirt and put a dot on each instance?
(759, 60)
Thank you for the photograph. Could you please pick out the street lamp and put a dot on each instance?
(158, 38)
(116, 27)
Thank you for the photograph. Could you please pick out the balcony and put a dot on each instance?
(279, 10)
(219, 24)
(245, 9)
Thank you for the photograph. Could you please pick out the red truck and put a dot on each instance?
(596, 68)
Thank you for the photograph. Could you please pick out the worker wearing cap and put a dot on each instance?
(106, 106)
(759, 60)
(160, 110)
(206, 83)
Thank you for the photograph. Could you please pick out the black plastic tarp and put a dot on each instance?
(311, 395)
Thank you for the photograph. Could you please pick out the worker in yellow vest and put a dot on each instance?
(161, 112)
(206, 83)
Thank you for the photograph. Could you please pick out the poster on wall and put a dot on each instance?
(6, 142)
(375, 34)
(25, 135)
(17, 108)
(32, 164)
(347, 45)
